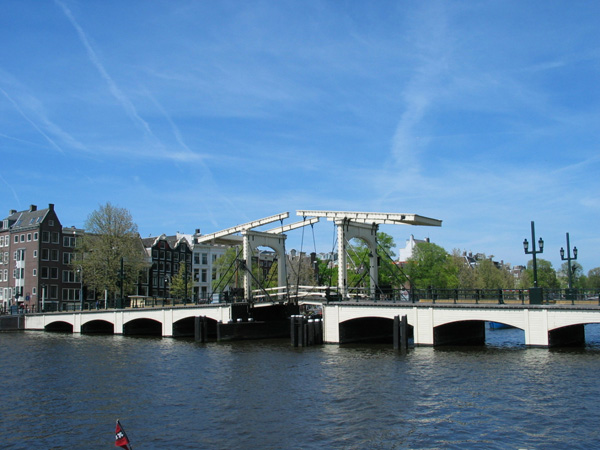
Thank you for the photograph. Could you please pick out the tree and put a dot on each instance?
(359, 261)
(180, 282)
(111, 240)
(431, 266)
(577, 276)
(490, 276)
(593, 278)
(545, 273)
(465, 273)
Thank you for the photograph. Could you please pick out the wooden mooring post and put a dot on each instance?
(305, 332)
(200, 328)
(401, 333)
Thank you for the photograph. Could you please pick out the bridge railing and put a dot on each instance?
(504, 296)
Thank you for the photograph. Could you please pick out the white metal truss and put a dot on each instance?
(293, 226)
(364, 226)
(373, 217)
(242, 227)
(252, 239)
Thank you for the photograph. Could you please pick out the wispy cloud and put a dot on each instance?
(431, 43)
(11, 189)
(51, 141)
(114, 89)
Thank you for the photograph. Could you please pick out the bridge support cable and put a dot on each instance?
(363, 225)
(396, 268)
(243, 266)
(229, 274)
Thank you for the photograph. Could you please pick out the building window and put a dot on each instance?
(28, 237)
(35, 236)
(54, 273)
(68, 241)
(45, 254)
(204, 258)
(51, 223)
(35, 273)
(55, 238)
(67, 258)
(45, 236)
(44, 272)
(204, 276)
(16, 239)
(154, 253)
(54, 292)
(35, 253)
(54, 255)
(196, 258)
(22, 238)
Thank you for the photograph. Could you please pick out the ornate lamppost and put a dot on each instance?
(569, 258)
(535, 294)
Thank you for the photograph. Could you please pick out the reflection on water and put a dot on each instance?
(66, 391)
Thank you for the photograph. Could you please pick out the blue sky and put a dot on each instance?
(198, 114)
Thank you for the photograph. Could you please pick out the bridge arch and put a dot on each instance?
(369, 329)
(60, 326)
(98, 326)
(143, 327)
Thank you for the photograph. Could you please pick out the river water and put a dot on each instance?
(64, 391)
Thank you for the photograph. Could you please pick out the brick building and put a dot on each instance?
(35, 253)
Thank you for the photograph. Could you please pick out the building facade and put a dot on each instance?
(35, 256)
(167, 255)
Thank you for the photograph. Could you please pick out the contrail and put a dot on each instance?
(33, 124)
(116, 92)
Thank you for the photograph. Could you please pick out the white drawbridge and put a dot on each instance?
(252, 239)
(364, 226)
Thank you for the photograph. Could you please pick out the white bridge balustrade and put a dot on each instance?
(119, 318)
(343, 322)
(543, 326)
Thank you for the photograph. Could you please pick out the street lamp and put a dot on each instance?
(569, 258)
(533, 252)
(535, 293)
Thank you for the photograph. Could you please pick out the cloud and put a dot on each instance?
(54, 128)
(113, 88)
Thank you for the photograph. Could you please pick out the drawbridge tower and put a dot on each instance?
(364, 226)
(252, 239)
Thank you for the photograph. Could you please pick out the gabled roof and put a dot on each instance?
(173, 241)
(30, 218)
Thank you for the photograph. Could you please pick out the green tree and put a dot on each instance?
(180, 281)
(577, 276)
(111, 237)
(466, 274)
(490, 276)
(431, 266)
(545, 273)
(359, 262)
(593, 279)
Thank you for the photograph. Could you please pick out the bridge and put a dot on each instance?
(167, 322)
(428, 323)
(432, 324)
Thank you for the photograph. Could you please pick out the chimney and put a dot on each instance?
(32, 208)
(12, 211)
(51, 206)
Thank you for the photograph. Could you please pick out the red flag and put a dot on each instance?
(121, 439)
